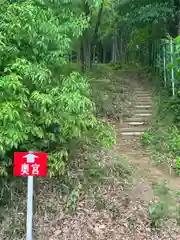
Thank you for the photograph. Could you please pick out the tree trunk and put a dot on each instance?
(84, 40)
(98, 23)
(83, 67)
(88, 54)
(117, 47)
(113, 49)
(104, 54)
(79, 54)
(121, 50)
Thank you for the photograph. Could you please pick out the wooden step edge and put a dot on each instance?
(143, 114)
(132, 123)
(143, 106)
(132, 133)
(134, 129)
(133, 119)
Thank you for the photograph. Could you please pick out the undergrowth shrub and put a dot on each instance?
(165, 207)
(109, 92)
(157, 212)
(175, 106)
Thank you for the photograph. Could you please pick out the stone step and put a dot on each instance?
(138, 119)
(136, 123)
(143, 114)
(132, 133)
(140, 89)
(148, 94)
(143, 94)
(135, 129)
(143, 111)
(144, 98)
(144, 103)
(143, 106)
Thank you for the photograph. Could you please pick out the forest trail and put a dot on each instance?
(118, 210)
(129, 132)
(106, 194)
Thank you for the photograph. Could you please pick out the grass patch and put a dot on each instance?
(165, 207)
(161, 189)
(110, 92)
(157, 213)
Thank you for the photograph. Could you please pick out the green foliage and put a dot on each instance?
(178, 218)
(147, 138)
(173, 64)
(175, 141)
(175, 106)
(178, 166)
(94, 173)
(171, 107)
(157, 212)
(143, 12)
(140, 37)
(177, 58)
(164, 138)
(165, 207)
(73, 199)
(161, 189)
(123, 167)
(164, 141)
(36, 37)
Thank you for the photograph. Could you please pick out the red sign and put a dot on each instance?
(30, 164)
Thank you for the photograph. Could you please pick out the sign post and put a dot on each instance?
(30, 164)
(29, 209)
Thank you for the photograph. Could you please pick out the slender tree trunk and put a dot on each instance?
(121, 50)
(150, 47)
(113, 49)
(125, 52)
(98, 23)
(84, 40)
(83, 67)
(104, 54)
(88, 55)
(117, 47)
(79, 53)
